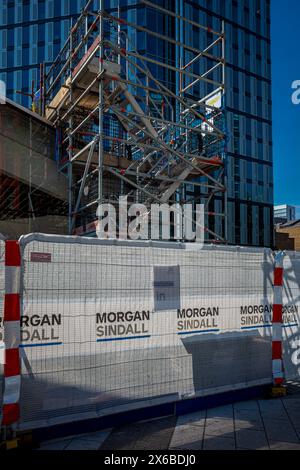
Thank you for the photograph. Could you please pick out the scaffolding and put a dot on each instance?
(149, 126)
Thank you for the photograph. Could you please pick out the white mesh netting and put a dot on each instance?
(291, 316)
(110, 326)
(2, 288)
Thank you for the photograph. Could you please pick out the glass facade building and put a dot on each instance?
(31, 32)
(34, 31)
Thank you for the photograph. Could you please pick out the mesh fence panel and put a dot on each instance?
(2, 287)
(108, 327)
(291, 315)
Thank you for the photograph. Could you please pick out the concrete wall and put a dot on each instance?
(27, 151)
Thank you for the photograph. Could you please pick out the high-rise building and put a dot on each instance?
(249, 105)
(33, 32)
(284, 213)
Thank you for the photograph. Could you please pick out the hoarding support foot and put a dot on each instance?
(278, 391)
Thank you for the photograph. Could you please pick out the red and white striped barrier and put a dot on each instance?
(277, 363)
(12, 376)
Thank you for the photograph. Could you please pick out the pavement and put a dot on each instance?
(249, 425)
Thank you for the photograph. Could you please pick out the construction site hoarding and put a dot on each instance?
(291, 314)
(110, 326)
(2, 291)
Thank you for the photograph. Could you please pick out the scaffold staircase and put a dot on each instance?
(124, 131)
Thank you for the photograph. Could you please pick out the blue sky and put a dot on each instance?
(286, 116)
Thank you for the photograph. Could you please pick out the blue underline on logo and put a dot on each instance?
(105, 340)
(255, 327)
(266, 326)
(198, 331)
(39, 344)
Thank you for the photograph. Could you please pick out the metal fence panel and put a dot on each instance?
(111, 326)
(291, 315)
(2, 289)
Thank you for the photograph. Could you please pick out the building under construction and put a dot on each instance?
(147, 126)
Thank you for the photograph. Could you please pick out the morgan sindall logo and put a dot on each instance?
(296, 93)
(2, 92)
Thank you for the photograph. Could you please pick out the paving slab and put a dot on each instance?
(292, 408)
(98, 436)
(284, 446)
(55, 445)
(122, 439)
(221, 428)
(291, 401)
(220, 412)
(197, 445)
(277, 430)
(275, 416)
(246, 405)
(251, 424)
(244, 421)
(218, 443)
(153, 438)
(251, 439)
(278, 413)
(89, 441)
(187, 436)
(195, 419)
(155, 434)
(82, 444)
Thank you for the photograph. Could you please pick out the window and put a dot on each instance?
(3, 15)
(3, 59)
(249, 191)
(49, 9)
(261, 173)
(49, 42)
(18, 11)
(33, 10)
(248, 146)
(18, 84)
(33, 44)
(18, 57)
(249, 171)
(65, 7)
(18, 37)
(3, 39)
(65, 26)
